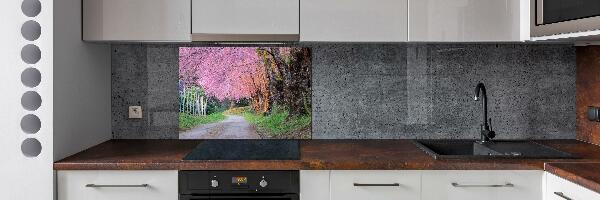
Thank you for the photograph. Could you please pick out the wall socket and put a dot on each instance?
(135, 112)
(593, 114)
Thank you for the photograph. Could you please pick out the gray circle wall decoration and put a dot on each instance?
(31, 54)
(31, 77)
(31, 100)
(31, 8)
(31, 147)
(31, 30)
(30, 124)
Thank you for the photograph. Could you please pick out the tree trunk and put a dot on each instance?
(274, 77)
(298, 89)
(295, 79)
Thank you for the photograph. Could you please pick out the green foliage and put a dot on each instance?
(242, 102)
(215, 106)
(238, 110)
(187, 121)
(277, 122)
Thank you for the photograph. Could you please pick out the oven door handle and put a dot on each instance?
(376, 184)
(285, 196)
(539, 12)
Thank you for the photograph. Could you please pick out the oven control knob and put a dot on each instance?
(263, 183)
(214, 183)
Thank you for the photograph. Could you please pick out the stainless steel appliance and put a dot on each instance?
(234, 185)
(552, 17)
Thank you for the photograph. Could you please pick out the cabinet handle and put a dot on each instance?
(498, 185)
(376, 184)
(562, 195)
(114, 186)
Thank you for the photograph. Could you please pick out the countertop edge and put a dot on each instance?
(576, 178)
(391, 154)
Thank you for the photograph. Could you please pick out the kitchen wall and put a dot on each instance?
(369, 91)
(81, 103)
(588, 92)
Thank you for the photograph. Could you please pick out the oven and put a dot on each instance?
(238, 185)
(240, 197)
(552, 17)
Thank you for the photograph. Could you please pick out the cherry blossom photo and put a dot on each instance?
(244, 93)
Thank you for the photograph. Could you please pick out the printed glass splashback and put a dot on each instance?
(244, 93)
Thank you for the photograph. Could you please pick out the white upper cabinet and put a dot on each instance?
(354, 20)
(136, 20)
(307, 20)
(245, 20)
(469, 20)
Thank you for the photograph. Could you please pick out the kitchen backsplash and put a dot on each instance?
(376, 91)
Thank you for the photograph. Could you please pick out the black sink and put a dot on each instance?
(470, 149)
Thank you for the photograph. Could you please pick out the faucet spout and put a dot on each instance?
(486, 133)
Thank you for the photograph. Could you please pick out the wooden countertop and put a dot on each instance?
(331, 155)
(314, 155)
(584, 174)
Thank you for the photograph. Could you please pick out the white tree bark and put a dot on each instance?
(203, 105)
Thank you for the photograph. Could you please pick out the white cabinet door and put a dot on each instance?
(354, 20)
(375, 185)
(468, 20)
(314, 184)
(482, 185)
(136, 20)
(245, 20)
(560, 189)
(117, 185)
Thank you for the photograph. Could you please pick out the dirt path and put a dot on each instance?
(233, 127)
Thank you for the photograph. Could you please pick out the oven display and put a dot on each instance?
(239, 180)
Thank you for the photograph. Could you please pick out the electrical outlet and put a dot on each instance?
(135, 112)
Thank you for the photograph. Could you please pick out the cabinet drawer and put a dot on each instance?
(375, 185)
(314, 184)
(117, 185)
(477, 185)
(560, 189)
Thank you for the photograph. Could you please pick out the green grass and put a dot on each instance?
(277, 123)
(187, 121)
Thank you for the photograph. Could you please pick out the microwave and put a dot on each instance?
(553, 17)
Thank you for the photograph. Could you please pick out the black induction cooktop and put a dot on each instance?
(245, 149)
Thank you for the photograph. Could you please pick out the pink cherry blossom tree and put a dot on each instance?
(223, 72)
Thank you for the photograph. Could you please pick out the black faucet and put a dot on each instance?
(487, 134)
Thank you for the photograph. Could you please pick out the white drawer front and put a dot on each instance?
(162, 185)
(482, 185)
(567, 189)
(343, 188)
(314, 184)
